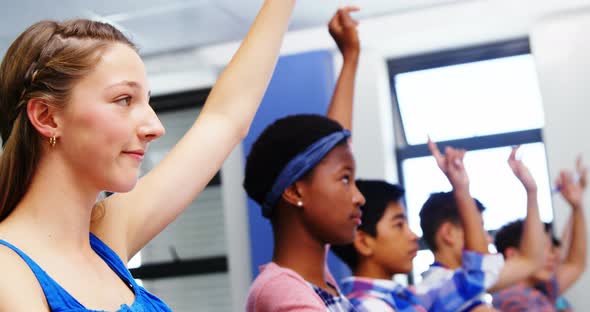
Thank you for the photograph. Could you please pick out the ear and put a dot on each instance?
(364, 243)
(293, 195)
(43, 117)
(446, 233)
(510, 252)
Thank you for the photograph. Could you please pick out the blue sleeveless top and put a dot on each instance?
(60, 300)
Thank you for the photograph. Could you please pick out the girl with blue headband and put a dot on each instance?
(301, 171)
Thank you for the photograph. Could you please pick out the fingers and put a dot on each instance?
(345, 19)
(512, 161)
(435, 151)
(513, 153)
(566, 178)
(334, 24)
(582, 172)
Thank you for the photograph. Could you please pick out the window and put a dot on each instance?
(484, 99)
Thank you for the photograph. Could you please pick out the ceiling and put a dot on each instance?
(161, 26)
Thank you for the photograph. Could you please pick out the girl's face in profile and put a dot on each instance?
(107, 124)
(331, 200)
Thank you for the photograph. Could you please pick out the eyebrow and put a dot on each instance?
(399, 216)
(131, 84)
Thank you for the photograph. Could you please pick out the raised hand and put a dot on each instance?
(572, 189)
(343, 28)
(451, 164)
(582, 172)
(521, 171)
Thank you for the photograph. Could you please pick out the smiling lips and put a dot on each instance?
(137, 154)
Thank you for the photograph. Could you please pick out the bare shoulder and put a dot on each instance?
(109, 225)
(19, 288)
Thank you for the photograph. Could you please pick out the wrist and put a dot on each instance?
(578, 206)
(351, 54)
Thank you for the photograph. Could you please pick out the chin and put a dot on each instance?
(543, 276)
(123, 186)
(343, 239)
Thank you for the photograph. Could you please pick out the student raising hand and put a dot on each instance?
(451, 164)
(343, 28)
(521, 171)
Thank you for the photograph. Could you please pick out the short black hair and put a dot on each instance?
(510, 235)
(555, 242)
(280, 142)
(438, 209)
(378, 195)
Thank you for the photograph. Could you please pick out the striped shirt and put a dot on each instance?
(449, 294)
(520, 298)
(334, 303)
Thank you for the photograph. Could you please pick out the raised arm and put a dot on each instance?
(574, 263)
(134, 218)
(451, 164)
(530, 259)
(343, 28)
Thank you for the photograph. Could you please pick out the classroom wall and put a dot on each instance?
(562, 57)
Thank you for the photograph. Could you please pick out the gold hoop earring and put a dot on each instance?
(52, 141)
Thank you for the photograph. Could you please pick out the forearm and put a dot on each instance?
(341, 107)
(240, 88)
(533, 232)
(577, 252)
(475, 238)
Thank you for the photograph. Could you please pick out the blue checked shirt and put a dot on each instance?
(449, 293)
(334, 303)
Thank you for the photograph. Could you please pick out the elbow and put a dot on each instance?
(242, 131)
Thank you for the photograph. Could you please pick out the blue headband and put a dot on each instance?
(300, 165)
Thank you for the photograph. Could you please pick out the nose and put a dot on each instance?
(358, 198)
(413, 235)
(151, 128)
(489, 238)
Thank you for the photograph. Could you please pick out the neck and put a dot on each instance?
(369, 269)
(299, 251)
(448, 258)
(55, 211)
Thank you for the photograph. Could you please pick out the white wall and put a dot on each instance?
(457, 25)
(562, 55)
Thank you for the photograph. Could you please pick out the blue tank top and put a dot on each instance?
(60, 300)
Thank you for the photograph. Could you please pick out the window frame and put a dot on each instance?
(449, 57)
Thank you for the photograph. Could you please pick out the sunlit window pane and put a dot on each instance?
(492, 182)
(472, 99)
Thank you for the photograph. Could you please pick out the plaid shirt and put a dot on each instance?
(519, 298)
(334, 303)
(449, 294)
(380, 295)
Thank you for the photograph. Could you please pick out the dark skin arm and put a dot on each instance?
(343, 29)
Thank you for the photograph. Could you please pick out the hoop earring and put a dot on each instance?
(52, 141)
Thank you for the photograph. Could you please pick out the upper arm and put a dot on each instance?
(515, 270)
(19, 289)
(567, 274)
(284, 293)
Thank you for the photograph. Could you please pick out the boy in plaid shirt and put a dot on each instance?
(446, 236)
